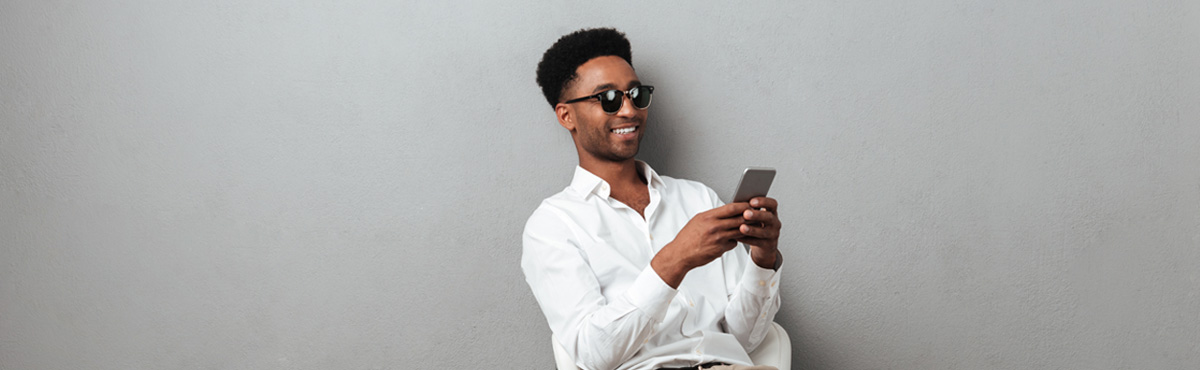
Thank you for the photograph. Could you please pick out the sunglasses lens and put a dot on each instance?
(610, 101)
(641, 96)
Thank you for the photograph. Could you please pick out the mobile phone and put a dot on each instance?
(755, 183)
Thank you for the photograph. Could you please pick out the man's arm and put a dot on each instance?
(598, 334)
(705, 237)
(754, 298)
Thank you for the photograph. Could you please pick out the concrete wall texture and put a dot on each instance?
(342, 185)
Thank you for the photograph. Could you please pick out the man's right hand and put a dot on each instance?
(706, 237)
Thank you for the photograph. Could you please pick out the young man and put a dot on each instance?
(632, 269)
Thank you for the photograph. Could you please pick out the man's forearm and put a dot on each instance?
(672, 270)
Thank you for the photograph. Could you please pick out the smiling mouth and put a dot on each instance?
(622, 131)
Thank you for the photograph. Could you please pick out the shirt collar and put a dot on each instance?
(585, 183)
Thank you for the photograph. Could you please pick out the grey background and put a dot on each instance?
(304, 184)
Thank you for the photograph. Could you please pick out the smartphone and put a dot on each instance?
(755, 183)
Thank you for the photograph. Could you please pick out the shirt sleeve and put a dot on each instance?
(753, 294)
(598, 334)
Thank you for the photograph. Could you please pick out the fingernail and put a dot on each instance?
(748, 214)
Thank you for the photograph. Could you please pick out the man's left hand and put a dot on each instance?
(761, 231)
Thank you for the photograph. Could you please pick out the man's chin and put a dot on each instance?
(627, 155)
(619, 155)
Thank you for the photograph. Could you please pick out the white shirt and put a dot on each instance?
(587, 258)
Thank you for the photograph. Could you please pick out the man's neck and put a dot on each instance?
(617, 174)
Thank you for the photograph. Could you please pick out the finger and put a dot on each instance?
(732, 235)
(731, 223)
(756, 216)
(728, 210)
(722, 226)
(731, 238)
(764, 202)
(757, 242)
(759, 232)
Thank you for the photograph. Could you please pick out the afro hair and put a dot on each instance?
(558, 65)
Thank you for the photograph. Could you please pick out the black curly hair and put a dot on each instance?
(557, 68)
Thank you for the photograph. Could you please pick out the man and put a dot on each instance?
(632, 269)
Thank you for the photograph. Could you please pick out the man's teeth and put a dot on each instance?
(624, 130)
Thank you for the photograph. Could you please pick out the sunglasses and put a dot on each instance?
(611, 100)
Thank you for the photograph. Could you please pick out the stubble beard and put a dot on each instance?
(603, 147)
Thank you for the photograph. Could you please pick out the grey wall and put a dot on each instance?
(281, 184)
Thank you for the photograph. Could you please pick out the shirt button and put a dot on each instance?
(762, 283)
(690, 303)
(773, 283)
(697, 352)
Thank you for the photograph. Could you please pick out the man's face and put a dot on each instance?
(594, 130)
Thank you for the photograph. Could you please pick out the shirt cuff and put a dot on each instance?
(650, 294)
(760, 281)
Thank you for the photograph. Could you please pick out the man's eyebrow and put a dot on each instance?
(609, 86)
(604, 87)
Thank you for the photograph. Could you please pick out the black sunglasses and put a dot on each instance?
(611, 100)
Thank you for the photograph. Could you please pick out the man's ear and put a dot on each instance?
(565, 117)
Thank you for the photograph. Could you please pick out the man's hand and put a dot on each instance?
(761, 231)
(706, 237)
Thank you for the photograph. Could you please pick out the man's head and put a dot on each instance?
(589, 62)
(557, 68)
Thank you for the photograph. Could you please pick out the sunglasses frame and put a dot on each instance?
(620, 97)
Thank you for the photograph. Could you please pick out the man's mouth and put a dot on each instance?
(626, 130)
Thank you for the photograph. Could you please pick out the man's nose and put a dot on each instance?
(627, 108)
